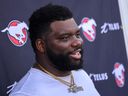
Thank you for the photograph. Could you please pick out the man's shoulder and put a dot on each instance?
(82, 74)
(30, 82)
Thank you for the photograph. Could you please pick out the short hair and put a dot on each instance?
(40, 20)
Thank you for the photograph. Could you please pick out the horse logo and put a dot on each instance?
(89, 28)
(119, 74)
(17, 32)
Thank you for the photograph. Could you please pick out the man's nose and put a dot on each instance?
(77, 42)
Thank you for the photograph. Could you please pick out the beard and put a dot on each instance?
(63, 62)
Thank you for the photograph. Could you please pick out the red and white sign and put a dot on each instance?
(17, 32)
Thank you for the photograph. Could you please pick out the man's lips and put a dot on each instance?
(76, 54)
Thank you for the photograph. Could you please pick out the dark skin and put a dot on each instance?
(64, 38)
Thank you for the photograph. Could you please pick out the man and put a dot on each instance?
(55, 38)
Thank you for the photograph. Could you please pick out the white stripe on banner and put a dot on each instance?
(123, 7)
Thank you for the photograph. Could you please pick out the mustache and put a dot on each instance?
(78, 49)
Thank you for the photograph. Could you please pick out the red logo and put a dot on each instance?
(17, 32)
(88, 27)
(119, 74)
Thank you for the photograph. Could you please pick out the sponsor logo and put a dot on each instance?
(17, 32)
(106, 27)
(118, 72)
(88, 28)
(11, 87)
(99, 77)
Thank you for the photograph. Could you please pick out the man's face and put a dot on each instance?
(64, 45)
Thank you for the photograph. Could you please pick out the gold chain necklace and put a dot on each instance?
(72, 86)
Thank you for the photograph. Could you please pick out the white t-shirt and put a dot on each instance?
(38, 83)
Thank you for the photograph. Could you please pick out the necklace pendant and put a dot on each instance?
(75, 89)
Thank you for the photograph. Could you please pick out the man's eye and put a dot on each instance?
(78, 35)
(65, 38)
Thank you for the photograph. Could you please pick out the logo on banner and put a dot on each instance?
(17, 32)
(106, 27)
(99, 77)
(118, 72)
(11, 87)
(89, 28)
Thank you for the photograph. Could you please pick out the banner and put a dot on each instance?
(105, 58)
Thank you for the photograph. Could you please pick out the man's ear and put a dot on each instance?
(40, 45)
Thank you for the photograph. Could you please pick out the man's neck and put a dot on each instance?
(52, 70)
